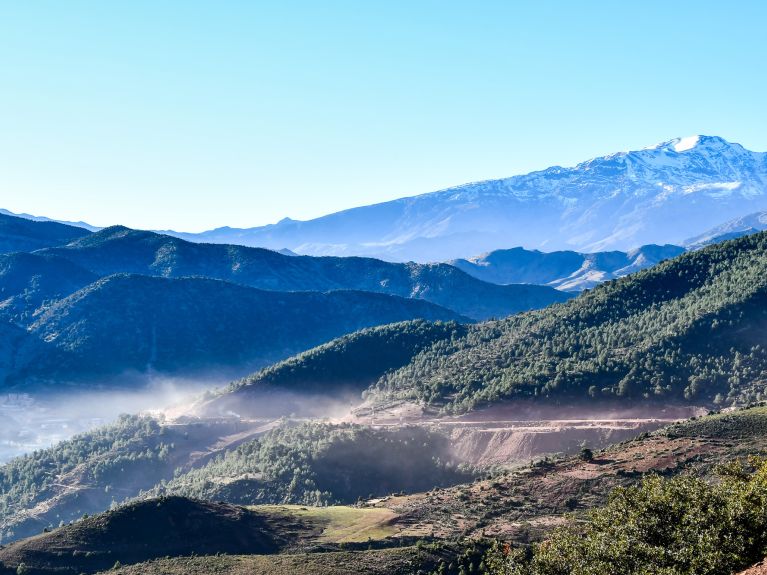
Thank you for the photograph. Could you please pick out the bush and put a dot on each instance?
(680, 526)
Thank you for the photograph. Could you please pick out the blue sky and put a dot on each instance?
(191, 115)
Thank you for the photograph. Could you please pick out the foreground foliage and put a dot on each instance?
(680, 526)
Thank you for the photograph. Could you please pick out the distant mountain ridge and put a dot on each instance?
(565, 270)
(126, 305)
(735, 228)
(79, 224)
(661, 194)
(22, 235)
(122, 250)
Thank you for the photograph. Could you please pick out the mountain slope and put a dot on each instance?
(735, 228)
(30, 281)
(130, 324)
(121, 250)
(169, 526)
(321, 464)
(22, 235)
(662, 194)
(348, 364)
(691, 328)
(565, 270)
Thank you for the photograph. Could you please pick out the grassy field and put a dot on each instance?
(340, 524)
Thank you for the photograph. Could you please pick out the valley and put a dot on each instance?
(520, 504)
(383, 288)
(175, 407)
(151, 451)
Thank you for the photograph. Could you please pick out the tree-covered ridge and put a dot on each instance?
(356, 357)
(692, 328)
(320, 464)
(31, 282)
(679, 526)
(123, 326)
(347, 364)
(111, 454)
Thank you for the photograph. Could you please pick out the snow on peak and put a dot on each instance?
(698, 142)
(678, 144)
(684, 144)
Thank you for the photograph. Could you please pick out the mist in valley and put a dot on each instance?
(38, 419)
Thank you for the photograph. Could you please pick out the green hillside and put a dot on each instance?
(683, 525)
(169, 526)
(320, 464)
(346, 365)
(124, 326)
(693, 328)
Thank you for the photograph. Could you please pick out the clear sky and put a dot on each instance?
(191, 115)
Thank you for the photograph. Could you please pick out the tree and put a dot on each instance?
(586, 454)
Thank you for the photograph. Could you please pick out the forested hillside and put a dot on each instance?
(127, 325)
(311, 463)
(693, 328)
(321, 464)
(134, 451)
(29, 282)
(346, 365)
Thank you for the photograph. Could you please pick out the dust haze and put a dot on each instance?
(39, 419)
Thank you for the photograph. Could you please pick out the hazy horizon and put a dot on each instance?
(241, 115)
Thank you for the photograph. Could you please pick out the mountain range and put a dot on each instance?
(122, 304)
(122, 250)
(687, 331)
(565, 270)
(22, 235)
(690, 329)
(661, 194)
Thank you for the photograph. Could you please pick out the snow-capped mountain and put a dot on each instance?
(661, 194)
